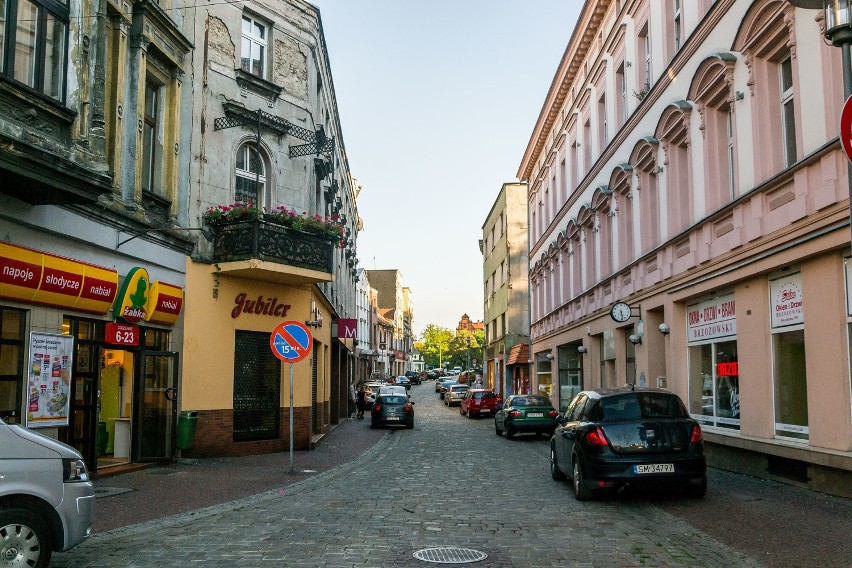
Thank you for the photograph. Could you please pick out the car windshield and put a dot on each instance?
(531, 400)
(641, 405)
(392, 399)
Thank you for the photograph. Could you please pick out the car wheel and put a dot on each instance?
(555, 472)
(25, 538)
(510, 432)
(497, 429)
(411, 424)
(697, 491)
(581, 492)
(470, 414)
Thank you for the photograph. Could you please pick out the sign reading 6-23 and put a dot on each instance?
(291, 341)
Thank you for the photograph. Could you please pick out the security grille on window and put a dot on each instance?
(251, 179)
(33, 44)
(253, 47)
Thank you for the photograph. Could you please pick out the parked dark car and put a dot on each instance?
(414, 377)
(612, 437)
(443, 385)
(525, 413)
(478, 402)
(392, 410)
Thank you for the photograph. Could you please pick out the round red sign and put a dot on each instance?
(846, 127)
(291, 341)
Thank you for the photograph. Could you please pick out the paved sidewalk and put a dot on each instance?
(162, 490)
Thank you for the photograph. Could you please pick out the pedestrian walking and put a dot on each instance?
(353, 399)
(361, 402)
(478, 383)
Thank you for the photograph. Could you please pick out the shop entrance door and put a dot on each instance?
(156, 399)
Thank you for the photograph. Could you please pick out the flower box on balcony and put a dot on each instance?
(273, 242)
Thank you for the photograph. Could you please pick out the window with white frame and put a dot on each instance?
(788, 116)
(250, 184)
(152, 147)
(731, 156)
(677, 22)
(33, 44)
(602, 124)
(254, 38)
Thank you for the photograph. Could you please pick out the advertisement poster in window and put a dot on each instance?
(786, 301)
(49, 383)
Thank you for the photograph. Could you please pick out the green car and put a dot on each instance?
(525, 413)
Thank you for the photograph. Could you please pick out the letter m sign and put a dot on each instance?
(347, 328)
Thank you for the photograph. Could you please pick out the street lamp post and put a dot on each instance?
(467, 340)
(838, 30)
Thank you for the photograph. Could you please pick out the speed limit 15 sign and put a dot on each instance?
(121, 334)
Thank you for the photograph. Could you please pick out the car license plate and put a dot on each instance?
(654, 468)
(393, 418)
(536, 414)
(485, 410)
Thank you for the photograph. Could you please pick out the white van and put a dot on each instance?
(46, 497)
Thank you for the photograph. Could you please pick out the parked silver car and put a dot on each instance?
(46, 497)
(455, 394)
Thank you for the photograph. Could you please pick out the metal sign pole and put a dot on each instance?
(291, 417)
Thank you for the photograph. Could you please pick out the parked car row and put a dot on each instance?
(606, 439)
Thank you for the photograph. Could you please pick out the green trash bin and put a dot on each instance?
(186, 429)
(103, 438)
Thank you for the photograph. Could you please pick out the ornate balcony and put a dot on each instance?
(263, 250)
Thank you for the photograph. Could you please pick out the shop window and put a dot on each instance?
(570, 363)
(543, 375)
(12, 355)
(156, 339)
(257, 388)
(33, 44)
(714, 384)
(791, 385)
(606, 348)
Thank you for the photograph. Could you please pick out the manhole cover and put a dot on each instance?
(450, 555)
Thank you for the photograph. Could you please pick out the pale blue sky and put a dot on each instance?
(437, 101)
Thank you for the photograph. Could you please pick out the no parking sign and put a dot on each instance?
(291, 341)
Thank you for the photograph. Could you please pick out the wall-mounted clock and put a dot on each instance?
(620, 312)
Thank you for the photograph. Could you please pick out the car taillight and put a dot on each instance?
(377, 407)
(596, 437)
(696, 435)
(515, 413)
(408, 408)
(552, 413)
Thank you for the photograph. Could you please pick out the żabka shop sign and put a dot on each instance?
(261, 306)
(711, 319)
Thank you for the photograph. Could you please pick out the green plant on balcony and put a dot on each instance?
(329, 227)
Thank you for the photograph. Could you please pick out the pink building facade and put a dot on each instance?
(687, 162)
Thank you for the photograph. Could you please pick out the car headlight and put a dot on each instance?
(74, 471)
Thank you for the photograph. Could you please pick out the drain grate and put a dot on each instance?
(450, 555)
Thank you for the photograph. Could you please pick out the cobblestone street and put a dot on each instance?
(448, 482)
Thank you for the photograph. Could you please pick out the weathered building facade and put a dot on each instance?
(684, 164)
(505, 285)
(91, 202)
(268, 141)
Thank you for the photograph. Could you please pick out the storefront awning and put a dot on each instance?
(519, 355)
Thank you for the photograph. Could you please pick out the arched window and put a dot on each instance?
(250, 184)
(769, 46)
(621, 184)
(673, 133)
(713, 90)
(602, 204)
(586, 223)
(644, 161)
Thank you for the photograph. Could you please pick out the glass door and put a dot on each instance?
(156, 399)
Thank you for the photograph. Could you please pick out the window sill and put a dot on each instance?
(29, 99)
(255, 84)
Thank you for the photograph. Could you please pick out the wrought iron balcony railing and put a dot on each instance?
(263, 240)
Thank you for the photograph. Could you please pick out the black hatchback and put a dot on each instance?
(611, 437)
(392, 410)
